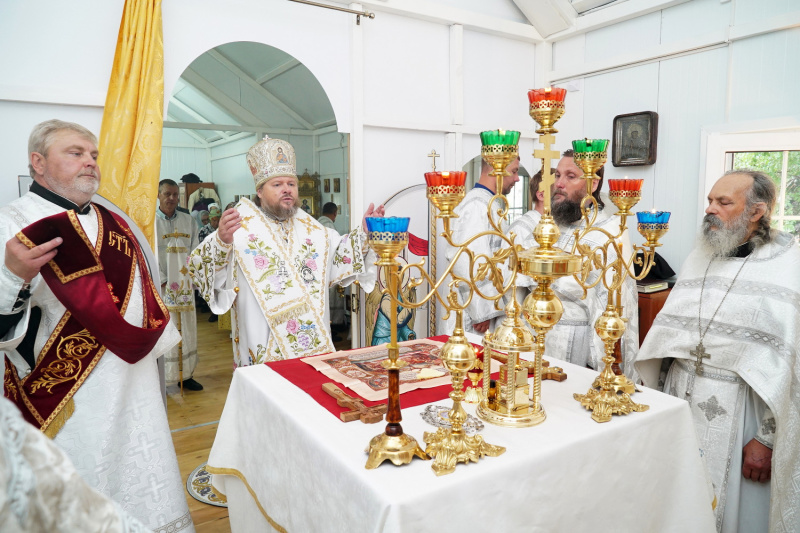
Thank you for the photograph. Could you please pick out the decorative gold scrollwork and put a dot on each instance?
(69, 353)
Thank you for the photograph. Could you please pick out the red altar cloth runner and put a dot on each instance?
(310, 380)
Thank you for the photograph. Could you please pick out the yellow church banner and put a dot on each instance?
(130, 136)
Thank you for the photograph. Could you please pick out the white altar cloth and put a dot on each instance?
(640, 472)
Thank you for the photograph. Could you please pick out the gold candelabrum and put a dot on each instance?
(610, 392)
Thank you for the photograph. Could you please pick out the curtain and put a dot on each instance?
(130, 136)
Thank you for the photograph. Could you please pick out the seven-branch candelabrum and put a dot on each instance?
(610, 392)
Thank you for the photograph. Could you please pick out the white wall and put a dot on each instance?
(700, 65)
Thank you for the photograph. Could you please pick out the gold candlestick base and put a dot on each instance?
(449, 448)
(400, 450)
(606, 402)
(608, 394)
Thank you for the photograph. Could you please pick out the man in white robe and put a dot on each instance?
(480, 315)
(115, 432)
(573, 338)
(729, 336)
(273, 265)
(177, 236)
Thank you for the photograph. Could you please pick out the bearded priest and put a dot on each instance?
(273, 264)
(81, 326)
(728, 339)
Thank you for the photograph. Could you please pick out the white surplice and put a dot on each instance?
(749, 386)
(275, 276)
(40, 489)
(472, 213)
(118, 437)
(573, 339)
(177, 237)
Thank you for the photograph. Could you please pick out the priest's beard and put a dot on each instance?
(567, 211)
(723, 241)
(279, 211)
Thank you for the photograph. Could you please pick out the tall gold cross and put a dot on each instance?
(546, 155)
(434, 155)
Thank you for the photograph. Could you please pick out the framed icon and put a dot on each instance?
(326, 185)
(635, 139)
(337, 187)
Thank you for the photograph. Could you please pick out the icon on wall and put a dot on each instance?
(337, 185)
(327, 186)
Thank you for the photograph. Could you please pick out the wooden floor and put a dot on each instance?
(193, 419)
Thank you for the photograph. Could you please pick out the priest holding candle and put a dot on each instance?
(272, 265)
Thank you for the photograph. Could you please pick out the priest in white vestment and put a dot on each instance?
(573, 338)
(480, 315)
(111, 423)
(177, 235)
(728, 337)
(273, 265)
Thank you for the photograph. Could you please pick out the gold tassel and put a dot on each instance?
(60, 419)
(290, 313)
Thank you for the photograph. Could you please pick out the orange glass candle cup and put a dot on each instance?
(445, 191)
(625, 193)
(546, 107)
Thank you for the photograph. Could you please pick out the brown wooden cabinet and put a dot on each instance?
(649, 306)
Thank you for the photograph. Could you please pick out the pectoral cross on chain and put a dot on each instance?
(700, 353)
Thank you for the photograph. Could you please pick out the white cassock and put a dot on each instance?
(177, 237)
(275, 278)
(472, 213)
(749, 387)
(40, 489)
(573, 339)
(118, 437)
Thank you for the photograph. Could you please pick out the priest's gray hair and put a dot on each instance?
(43, 135)
(762, 190)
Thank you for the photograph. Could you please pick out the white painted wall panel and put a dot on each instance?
(36, 61)
(175, 162)
(765, 75)
(504, 9)
(405, 70)
(395, 159)
(569, 52)
(608, 95)
(683, 112)
(694, 18)
(497, 75)
(754, 10)
(639, 33)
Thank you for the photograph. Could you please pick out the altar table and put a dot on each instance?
(284, 462)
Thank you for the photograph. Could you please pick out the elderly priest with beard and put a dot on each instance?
(272, 265)
(728, 338)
